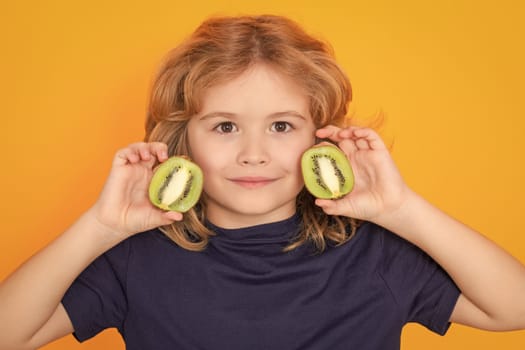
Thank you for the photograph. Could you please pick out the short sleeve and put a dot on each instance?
(96, 300)
(422, 289)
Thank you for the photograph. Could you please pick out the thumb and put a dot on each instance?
(335, 206)
(171, 216)
(162, 218)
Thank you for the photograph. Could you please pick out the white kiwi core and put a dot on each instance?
(176, 186)
(328, 175)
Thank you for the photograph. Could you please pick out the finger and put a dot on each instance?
(348, 146)
(362, 144)
(160, 150)
(330, 132)
(125, 156)
(145, 153)
(142, 149)
(372, 139)
(153, 152)
(348, 132)
(135, 152)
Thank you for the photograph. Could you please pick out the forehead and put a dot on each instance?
(260, 88)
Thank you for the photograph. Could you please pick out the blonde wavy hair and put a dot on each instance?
(221, 49)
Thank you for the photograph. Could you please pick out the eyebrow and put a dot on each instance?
(275, 115)
(217, 115)
(287, 114)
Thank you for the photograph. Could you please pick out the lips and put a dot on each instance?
(252, 182)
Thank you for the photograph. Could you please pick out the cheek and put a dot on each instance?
(210, 169)
(205, 160)
(200, 147)
(211, 157)
(290, 157)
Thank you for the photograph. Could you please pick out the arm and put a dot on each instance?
(491, 281)
(31, 313)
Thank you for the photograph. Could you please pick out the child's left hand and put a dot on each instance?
(379, 188)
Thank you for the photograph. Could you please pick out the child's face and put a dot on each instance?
(248, 139)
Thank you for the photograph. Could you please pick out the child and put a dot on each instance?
(258, 263)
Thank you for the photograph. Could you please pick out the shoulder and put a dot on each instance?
(365, 251)
(406, 269)
(144, 240)
(383, 251)
(143, 246)
(387, 242)
(370, 237)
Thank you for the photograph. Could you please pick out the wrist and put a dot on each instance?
(104, 234)
(400, 215)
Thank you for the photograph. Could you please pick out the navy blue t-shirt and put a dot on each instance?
(244, 292)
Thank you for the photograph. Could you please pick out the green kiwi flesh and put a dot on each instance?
(176, 185)
(327, 172)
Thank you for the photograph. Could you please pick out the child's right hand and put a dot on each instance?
(123, 207)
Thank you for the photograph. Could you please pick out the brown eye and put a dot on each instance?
(281, 127)
(225, 127)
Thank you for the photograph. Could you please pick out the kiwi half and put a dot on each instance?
(176, 185)
(327, 172)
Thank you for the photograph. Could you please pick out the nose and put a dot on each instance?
(253, 151)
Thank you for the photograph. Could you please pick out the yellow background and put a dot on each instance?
(448, 74)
